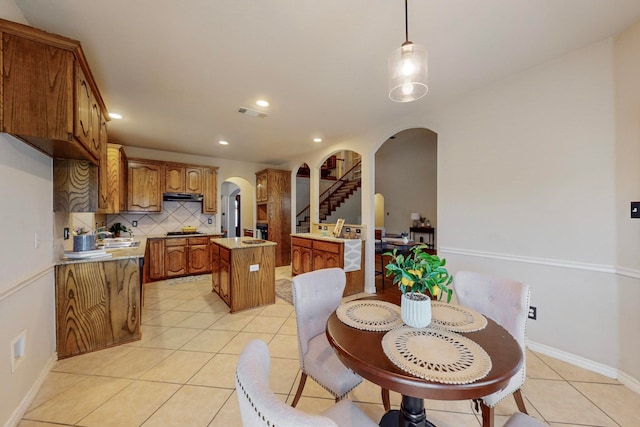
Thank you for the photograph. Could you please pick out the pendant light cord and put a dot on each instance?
(406, 23)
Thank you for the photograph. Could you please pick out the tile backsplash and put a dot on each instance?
(173, 217)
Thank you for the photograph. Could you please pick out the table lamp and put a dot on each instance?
(415, 216)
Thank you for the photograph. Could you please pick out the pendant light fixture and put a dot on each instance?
(408, 69)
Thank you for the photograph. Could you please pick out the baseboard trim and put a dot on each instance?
(33, 392)
(629, 381)
(578, 361)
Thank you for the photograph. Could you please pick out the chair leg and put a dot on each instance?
(385, 399)
(520, 401)
(487, 415)
(303, 380)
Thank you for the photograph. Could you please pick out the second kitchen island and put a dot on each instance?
(243, 271)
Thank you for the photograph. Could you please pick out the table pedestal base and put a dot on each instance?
(411, 414)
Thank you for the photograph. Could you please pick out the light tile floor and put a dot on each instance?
(182, 374)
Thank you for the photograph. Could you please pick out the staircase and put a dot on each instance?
(331, 199)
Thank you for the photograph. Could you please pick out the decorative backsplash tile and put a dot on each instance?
(174, 216)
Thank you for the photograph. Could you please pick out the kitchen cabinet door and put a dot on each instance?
(193, 180)
(225, 281)
(173, 179)
(175, 261)
(144, 186)
(103, 169)
(156, 259)
(210, 190)
(87, 117)
(322, 259)
(301, 256)
(215, 268)
(199, 259)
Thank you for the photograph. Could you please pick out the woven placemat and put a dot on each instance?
(456, 318)
(436, 355)
(370, 315)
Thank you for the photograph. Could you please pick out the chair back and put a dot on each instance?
(259, 406)
(505, 301)
(315, 296)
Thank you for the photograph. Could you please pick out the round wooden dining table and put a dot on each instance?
(362, 352)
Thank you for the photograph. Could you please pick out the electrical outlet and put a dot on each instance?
(134, 223)
(533, 312)
(65, 233)
(635, 209)
(18, 347)
(210, 221)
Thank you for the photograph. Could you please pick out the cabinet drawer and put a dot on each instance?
(297, 241)
(225, 254)
(199, 240)
(327, 246)
(176, 241)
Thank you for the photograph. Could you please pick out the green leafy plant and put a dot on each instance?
(419, 271)
(118, 228)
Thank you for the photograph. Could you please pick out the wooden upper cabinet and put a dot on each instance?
(261, 187)
(116, 179)
(49, 97)
(173, 179)
(210, 190)
(182, 179)
(144, 186)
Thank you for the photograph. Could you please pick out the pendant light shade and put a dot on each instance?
(408, 69)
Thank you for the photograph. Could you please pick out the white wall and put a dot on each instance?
(26, 273)
(627, 168)
(527, 190)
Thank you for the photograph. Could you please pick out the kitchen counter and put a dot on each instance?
(115, 254)
(164, 236)
(321, 237)
(241, 242)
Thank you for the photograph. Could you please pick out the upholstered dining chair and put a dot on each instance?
(523, 420)
(316, 295)
(259, 406)
(506, 302)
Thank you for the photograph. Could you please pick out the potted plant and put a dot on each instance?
(118, 228)
(419, 276)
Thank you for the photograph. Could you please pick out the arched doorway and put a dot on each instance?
(236, 206)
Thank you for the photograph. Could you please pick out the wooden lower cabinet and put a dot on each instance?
(97, 305)
(308, 254)
(225, 281)
(175, 260)
(176, 257)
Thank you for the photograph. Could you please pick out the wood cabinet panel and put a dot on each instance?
(225, 281)
(49, 97)
(215, 268)
(193, 180)
(301, 259)
(199, 261)
(103, 171)
(156, 259)
(97, 305)
(273, 206)
(144, 181)
(210, 190)
(175, 260)
(116, 179)
(173, 179)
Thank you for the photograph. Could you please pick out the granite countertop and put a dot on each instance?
(241, 242)
(115, 254)
(321, 237)
(164, 236)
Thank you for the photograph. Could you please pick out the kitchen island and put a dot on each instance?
(98, 301)
(243, 271)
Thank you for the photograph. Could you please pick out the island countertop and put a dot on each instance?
(321, 237)
(241, 242)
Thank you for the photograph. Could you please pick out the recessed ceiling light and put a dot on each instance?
(223, 142)
(115, 116)
(317, 139)
(262, 103)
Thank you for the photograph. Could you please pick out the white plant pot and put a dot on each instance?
(415, 309)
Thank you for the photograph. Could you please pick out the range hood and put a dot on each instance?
(182, 197)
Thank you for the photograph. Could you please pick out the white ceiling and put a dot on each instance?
(179, 69)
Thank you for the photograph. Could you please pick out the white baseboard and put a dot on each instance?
(581, 362)
(31, 395)
(629, 381)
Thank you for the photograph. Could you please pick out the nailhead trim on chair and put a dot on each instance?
(260, 414)
(330, 392)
